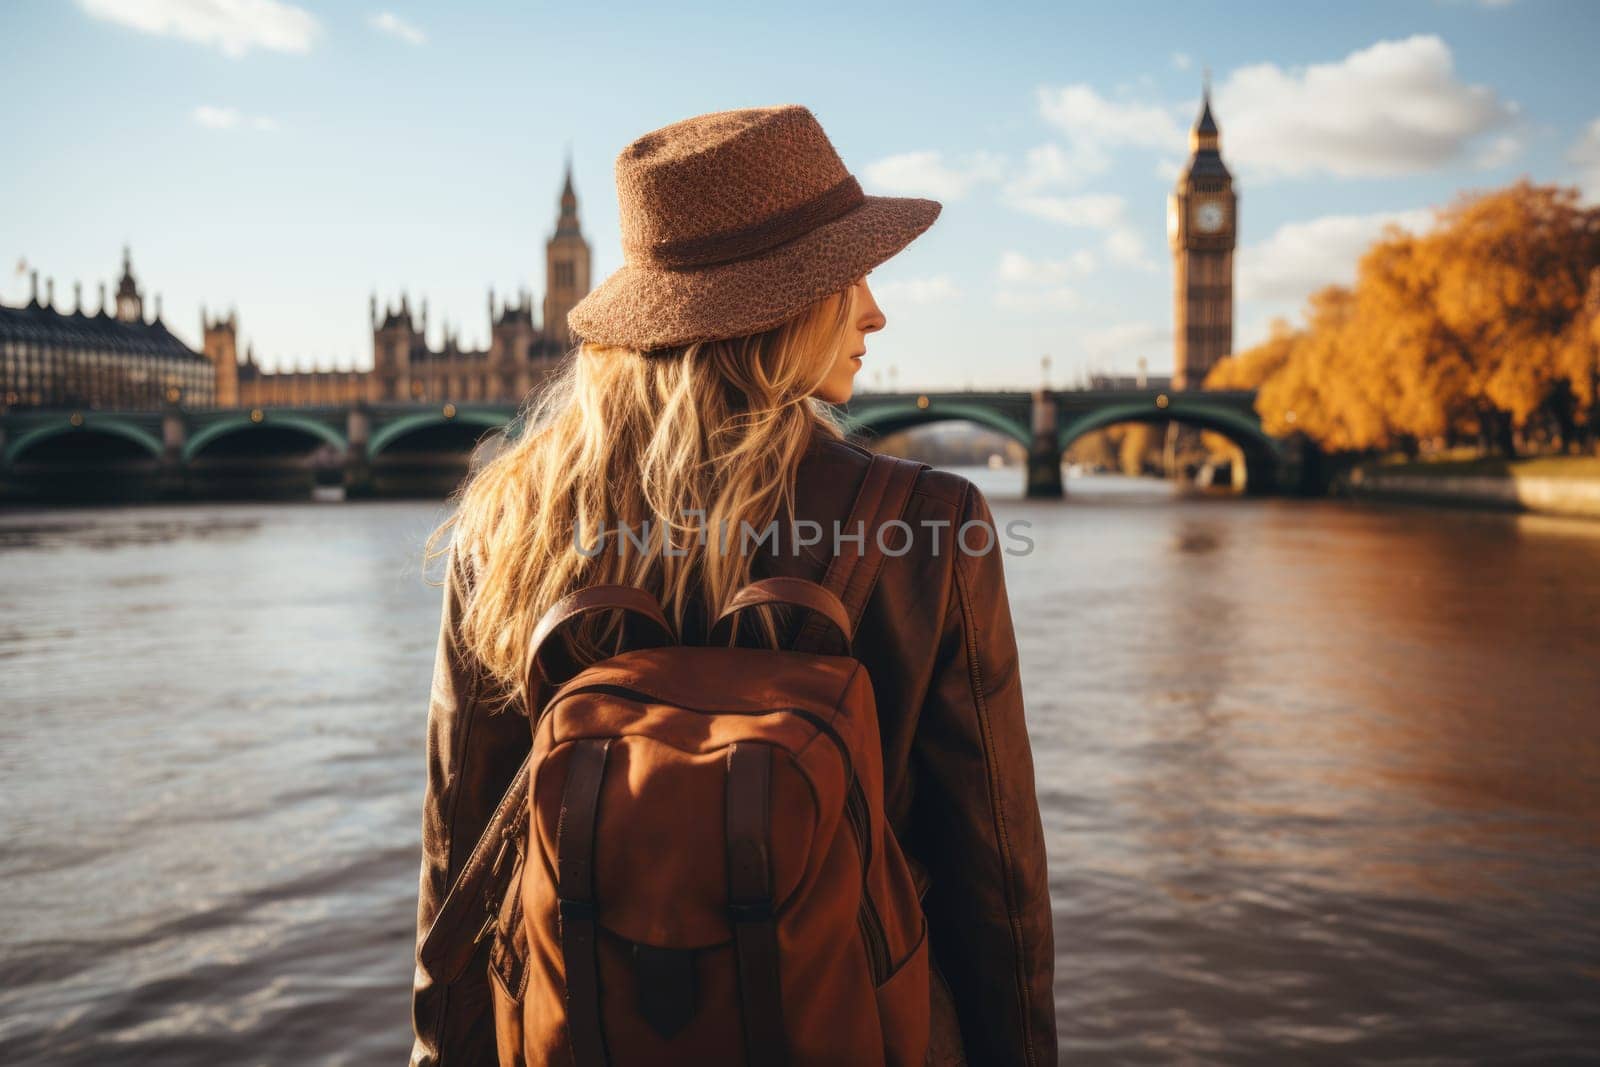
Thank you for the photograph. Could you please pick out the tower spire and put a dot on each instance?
(566, 267)
(130, 301)
(568, 222)
(1205, 136)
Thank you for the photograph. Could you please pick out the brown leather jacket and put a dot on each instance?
(938, 642)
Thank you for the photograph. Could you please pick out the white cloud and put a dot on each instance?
(1498, 152)
(395, 26)
(1051, 166)
(1393, 108)
(1125, 246)
(1097, 210)
(928, 174)
(1304, 256)
(1060, 297)
(1020, 269)
(216, 118)
(1084, 116)
(233, 27)
(1585, 155)
(918, 290)
(228, 118)
(1181, 61)
(1091, 127)
(1031, 284)
(1126, 342)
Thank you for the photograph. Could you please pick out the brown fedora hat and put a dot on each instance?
(733, 222)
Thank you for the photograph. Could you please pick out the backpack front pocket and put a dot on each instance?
(903, 1007)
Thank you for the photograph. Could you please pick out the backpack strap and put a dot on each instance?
(474, 900)
(853, 571)
(750, 904)
(580, 943)
(583, 601)
(783, 590)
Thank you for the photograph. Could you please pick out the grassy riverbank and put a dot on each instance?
(1586, 467)
(1557, 485)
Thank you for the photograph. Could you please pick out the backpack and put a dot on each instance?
(702, 870)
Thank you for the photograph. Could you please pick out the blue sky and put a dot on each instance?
(292, 158)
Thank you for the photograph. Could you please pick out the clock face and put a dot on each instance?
(1209, 216)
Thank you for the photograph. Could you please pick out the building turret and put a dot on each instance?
(566, 269)
(220, 343)
(512, 339)
(130, 301)
(393, 340)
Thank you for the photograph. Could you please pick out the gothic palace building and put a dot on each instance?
(113, 358)
(116, 359)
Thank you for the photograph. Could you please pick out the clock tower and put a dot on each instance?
(1202, 225)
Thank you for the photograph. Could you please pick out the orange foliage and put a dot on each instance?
(1247, 370)
(1487, 323)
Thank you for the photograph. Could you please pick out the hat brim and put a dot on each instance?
(650, 307)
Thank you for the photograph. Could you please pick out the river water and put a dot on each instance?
(1321, 782)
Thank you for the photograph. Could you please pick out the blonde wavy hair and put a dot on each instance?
(622, 436)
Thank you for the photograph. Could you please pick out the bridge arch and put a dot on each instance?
(1261, 453)
(386, 435)
(880, 419)
(17, 450)
(201, 439)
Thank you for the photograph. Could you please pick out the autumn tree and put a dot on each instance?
(1488, 323)
(1512, 268)
(1250, 368)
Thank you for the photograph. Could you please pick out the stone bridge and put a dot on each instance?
(1046, 422)
(371, 449)
(417, 449)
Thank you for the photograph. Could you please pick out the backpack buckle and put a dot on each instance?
(755, 911)
(576, 909)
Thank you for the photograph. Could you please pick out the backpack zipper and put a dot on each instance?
(629, 692)
(867, 917)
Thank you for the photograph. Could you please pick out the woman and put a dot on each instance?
(697, 401)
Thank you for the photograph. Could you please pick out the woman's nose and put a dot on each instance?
(872, 318)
